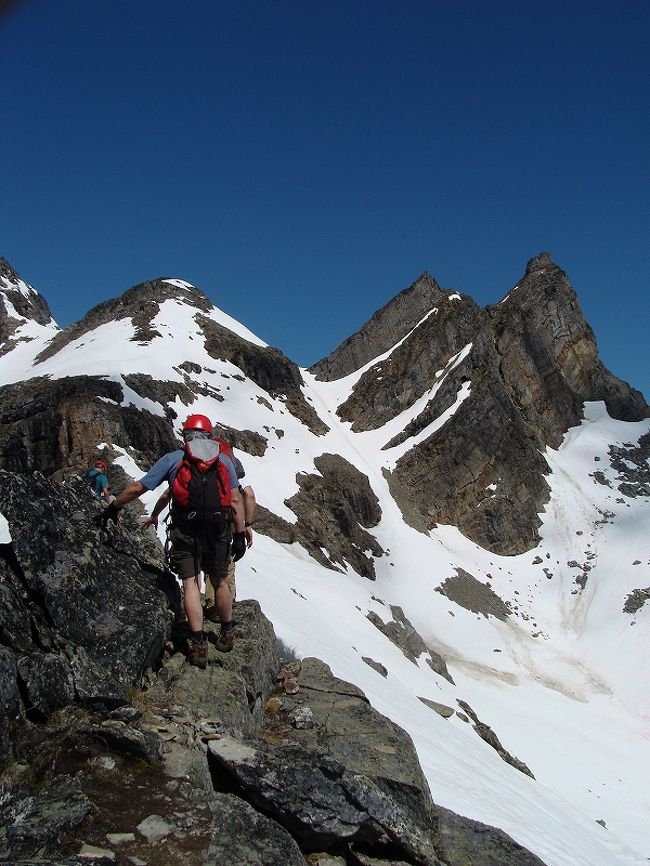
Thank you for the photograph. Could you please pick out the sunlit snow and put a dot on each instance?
(562, 681)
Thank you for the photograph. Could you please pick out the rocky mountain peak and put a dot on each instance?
(383, 330)
(494, 387)
(548, 355)
(25, 300)
(539, 263)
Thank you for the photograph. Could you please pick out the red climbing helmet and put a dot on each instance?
(198, 422)
(101, 464)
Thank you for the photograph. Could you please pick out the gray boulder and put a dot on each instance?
(319, 801)
(244, 837)
(463, 842)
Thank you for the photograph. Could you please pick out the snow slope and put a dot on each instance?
(561, 681)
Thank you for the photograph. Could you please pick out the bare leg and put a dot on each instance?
(222, 599)
(192, 600)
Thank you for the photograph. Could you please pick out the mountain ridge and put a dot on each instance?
(459, 499)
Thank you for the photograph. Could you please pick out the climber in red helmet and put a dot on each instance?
(207, 521)
(99, 480)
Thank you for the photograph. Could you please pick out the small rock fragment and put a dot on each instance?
(303, 718)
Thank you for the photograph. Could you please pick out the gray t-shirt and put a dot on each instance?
(166, 468)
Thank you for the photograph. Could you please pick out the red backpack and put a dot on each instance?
(201, 491)
(224, 447)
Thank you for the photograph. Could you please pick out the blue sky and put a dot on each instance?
(303, 162)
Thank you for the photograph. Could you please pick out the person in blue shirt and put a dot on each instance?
(99, 480)
(189, 554)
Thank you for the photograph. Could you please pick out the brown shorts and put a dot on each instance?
(190, 554)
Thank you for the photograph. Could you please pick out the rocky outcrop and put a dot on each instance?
(27, 303)
(482, 470)
(400, 631)
(636, 599)
(632, 463)
(115, 748)
(54, 426)
(335, 509)
(465, 590)
(486, 733)
(464, 842)
(66, 597)
(548, 357)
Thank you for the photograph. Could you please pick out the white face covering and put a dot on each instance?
(202, 449)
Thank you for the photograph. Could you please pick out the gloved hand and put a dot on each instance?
(238, 545)
(111, 512)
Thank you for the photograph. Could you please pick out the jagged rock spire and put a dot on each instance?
(383, 330)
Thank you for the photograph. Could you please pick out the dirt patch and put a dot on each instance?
(123, 792)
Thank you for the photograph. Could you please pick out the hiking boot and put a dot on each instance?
(226, 640)
(197, 653)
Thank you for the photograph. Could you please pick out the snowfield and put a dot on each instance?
(562, 681)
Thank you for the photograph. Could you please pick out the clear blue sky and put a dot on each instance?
(302, 162)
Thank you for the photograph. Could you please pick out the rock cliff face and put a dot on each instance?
(548, 357)
(111, 746)
(496, 386)
(52, 426)
(72, 595)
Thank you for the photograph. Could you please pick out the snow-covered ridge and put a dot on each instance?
(218, 316)
(560, 680)
(27, 330)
